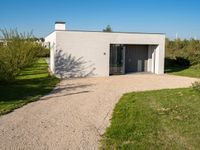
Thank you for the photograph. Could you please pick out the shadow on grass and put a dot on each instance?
(26, 88)
(176, 65)
(32, 83)
(171, 69)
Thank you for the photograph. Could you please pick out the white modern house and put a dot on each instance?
(91, 53)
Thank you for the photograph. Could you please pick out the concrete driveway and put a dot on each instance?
(76, 113)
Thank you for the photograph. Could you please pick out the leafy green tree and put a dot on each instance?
(107, 29)
(19, 51)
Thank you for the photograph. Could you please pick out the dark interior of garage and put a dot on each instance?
(128, 58)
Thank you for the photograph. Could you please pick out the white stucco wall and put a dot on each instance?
(51, 38)
(150, 64)
(94, 47)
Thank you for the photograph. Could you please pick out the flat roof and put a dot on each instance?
(110, 32)
(59, 22)
(106, 32)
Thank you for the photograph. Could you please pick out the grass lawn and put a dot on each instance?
(163, 119)
(183, 71)
(31, 84)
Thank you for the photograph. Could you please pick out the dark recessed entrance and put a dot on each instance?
(128, 58)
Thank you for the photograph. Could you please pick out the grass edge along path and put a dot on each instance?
(32, 83)
(162, 119)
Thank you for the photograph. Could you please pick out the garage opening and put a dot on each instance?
(128, 58)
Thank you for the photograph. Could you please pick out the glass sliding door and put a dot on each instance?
(117, 59)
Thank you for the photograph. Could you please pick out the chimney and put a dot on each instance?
(60, 26)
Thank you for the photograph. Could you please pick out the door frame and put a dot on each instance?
(121, 69)
(124, 60)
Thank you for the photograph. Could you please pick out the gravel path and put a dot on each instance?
(76, 113)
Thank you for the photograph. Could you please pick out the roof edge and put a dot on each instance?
(111, 32)
(105, 32)
(49, 34)
(60, 22)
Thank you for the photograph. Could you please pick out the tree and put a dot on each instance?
(107, 29)
(183, 51)
(19, 52)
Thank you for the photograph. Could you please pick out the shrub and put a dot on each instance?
(18, 52)
(186, 52)
(43, 52)
(196, 67)
(196, 86)
(170, 62)
(182, 61)
(178, 61)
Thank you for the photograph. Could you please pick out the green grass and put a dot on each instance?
(184, 71)
(163, 119)
(30, 85)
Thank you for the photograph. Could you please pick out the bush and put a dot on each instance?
(186, 52)
(43, 52)
(18, 52)
(170, 62)
(196, 67)
(196, 86)
(182, 61)
(178, 61)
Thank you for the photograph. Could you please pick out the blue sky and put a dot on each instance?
(165, 16)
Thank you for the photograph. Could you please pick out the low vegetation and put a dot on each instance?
(183, 52)
(24, 75)
(18, 51)
(183, 57)
(163, 119)
(196, 86)
(30, 84)
(192, 71)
